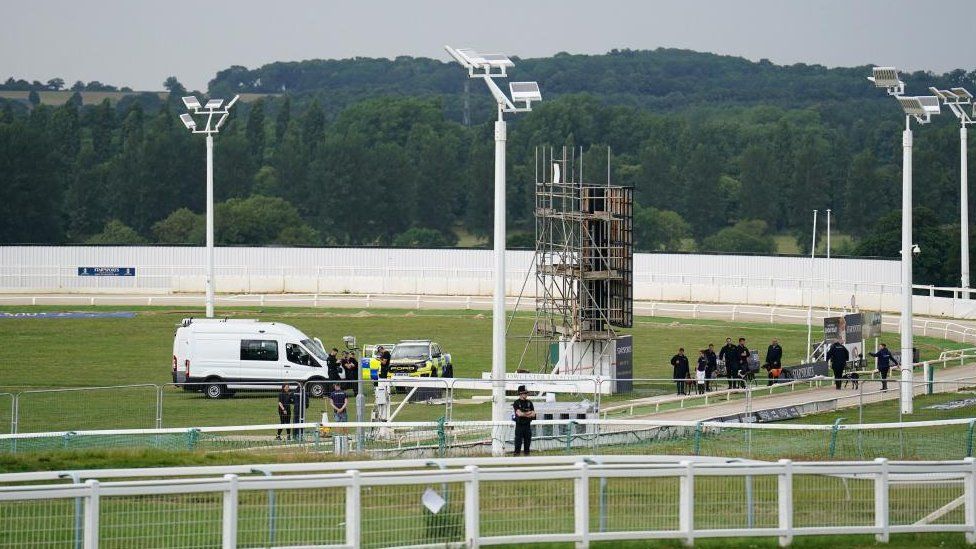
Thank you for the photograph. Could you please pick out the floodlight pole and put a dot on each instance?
(813, 252)
(210, 228)
(216, 114)
(498, 410)
(907, 358)
(829, 289)
(964, 205)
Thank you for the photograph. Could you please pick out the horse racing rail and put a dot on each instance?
(488, 501)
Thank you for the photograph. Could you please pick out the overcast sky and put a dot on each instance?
(139, 43)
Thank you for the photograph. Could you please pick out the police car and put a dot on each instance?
(420, 358)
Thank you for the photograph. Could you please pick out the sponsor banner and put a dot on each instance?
(116, 314)
(844, 329)
(804, 371)
(762, 416)
(625, 364)
(106, 271)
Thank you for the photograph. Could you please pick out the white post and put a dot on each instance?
(828, 263)
(686, 503)
(813, 252)
(498, 305)
(582, 507)
(91, 516)
(906, 270)
(881, 501)
(472, 527)
(969, 507)
(210, 228)
(353, 509)
(229, 518)
(964, 208)
(785, 485)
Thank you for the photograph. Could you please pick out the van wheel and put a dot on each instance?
(315, 390)
(214, 390)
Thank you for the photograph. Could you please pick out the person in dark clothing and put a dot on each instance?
(729, 357)
(838, 356)
(680, 370)
(284, 411)
(885, 361)
(300, 402)
(745, 371)
(338, 400)
(712, 359)
(524, 413)
(384, 357)
(350, 371)
(332, 364)
(774, 361)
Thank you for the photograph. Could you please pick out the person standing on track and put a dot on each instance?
(731, 361)
(745, 371)
(680, 370)
(524, 413)
(774, 361)
(384, 357)
(332, 365)
(885, 360)
(838, 356)
(284, 411)
(712, 359)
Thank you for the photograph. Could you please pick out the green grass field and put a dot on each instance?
(42, 354)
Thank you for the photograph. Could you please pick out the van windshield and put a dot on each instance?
(313, 347)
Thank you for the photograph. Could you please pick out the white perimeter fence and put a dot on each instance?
(764, 280)
(491, 501)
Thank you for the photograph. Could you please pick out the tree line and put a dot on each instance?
(711, 171)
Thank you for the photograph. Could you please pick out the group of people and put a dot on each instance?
(734, 357)
(346, 368)
(838, 356)
(293, 408)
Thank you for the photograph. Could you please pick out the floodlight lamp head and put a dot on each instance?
(191, 102)
(920, 108)
(188, 121)
(487, 64)
(525, 92)
(887, 77)
(963, 95)
(213, 104)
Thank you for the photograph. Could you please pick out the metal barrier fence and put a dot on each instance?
(591, 499)
(151, 406)
(925, 440)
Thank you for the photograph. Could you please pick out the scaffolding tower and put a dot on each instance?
(583, 263)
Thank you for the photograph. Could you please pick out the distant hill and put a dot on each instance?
(668, 79)
(58, 98)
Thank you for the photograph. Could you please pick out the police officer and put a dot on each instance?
(524, 414)
(885, 360)
(745, 371)
(838, 356)
(712, 359)
(731, 360)
(332, 364)
(384, 357)
(350, 370)
(680, 370)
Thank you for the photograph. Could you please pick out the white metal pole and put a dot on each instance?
(964, 206)
(210, 228)
(906, 270)
(829, 296)
(498, 308)
(813, 251)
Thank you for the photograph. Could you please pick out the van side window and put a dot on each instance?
(259, 349)
(297, 355)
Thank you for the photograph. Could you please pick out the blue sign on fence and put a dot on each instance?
(106, 271)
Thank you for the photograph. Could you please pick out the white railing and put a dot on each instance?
(502, 501)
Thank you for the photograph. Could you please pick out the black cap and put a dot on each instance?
(521, 389)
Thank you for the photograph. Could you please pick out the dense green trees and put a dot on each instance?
(722, 153)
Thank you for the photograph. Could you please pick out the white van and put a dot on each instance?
(223, 355)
